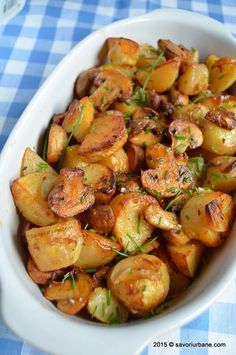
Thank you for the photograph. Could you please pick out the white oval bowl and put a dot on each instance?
(24, 309)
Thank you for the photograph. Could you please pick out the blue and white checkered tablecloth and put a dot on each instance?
(31, 45)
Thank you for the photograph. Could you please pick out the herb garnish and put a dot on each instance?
(108, 297)
(138, 224)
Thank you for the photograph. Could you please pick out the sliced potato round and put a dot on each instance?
(221, 174)
(131, 229)
(144, 139)
(163, 76)
(33, 163)
(206, 215)
(71, 295)
(30, 193)
(107, 135)
(96, 250)
(140, 283)
(194, 79)
(222, 74)
(218, 140)
(81, 114)
(55, 247)
(104, 307)
(193, 112)
(56, 142)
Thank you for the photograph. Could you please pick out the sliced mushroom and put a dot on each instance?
(100, 276)
(135, 155)
(154, 99)
(72, 196)
(72, 294)
(172, 50)
(222, 118)
(36, 275)
(177, 98)
(112, 85)
(184, 135)
(101, 218)
(160, 218)
(85, 81)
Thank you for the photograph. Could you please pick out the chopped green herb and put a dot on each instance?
(86, 226)
(193, 49)
(73, 282)
(202, 95)
(103, 309)
(43, 165)
(225, 177)
(143, 191)
(94, 311)
(66, 276)
(160, 220)
(93, 230)
(108, 297)
(144, 288)
(179, 148)
(128, 130)
(167, 174)
(104, 100)
(138, 247)
(180, 136)
(120, 253)
(90, 271)
(138, 224)
(160, 160)
(187, 217)
(145, 144)
(112, 238)
(126, 247)
(45, 143)
(149, 242)
(217, 176)
(82, 198)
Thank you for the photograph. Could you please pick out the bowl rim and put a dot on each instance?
(142, 330)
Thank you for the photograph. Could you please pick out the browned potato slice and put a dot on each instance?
(144, 139)
(30, 193)
(148, 278)
(84, 82)
(177, 98)
(122, 51)
(225, 102)
(218, 140)
(101, 218)
(135, 156)
(131, 230)
(71, 295)
(32, 163)
(160, 218)
(197, 167)
(221, 174)
(193, 112)
(117, 162)
(107, 135)
(36, 275)
(211, 59)
(71, 196)
(194, 79)
(55, 247)
(112, 85)
(222, 74)
(104, 307)
(184, 135)
(163, 76)
(130, 106)
(96, 251)
(56, 143)
(172, 50)
(205, 215)
(159, 155)
(187, 257)
(176, 237)
(79, 118)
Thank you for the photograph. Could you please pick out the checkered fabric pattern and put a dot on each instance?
(31, 45)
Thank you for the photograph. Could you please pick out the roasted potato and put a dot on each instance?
(159, 155)
(176, 237)
(222, 74)
(71, 196)
(107, 135)
(206, 215)
(30, 194)
(96, 250)
(101, 218)
(117, 162)
(72, 293)
(105, 308)
(32, 163)
(72, 159)
(177, 98)
(144, 139)
(193, 112)
(184, 135)
(194, 79)
(162, 77)
(131, 229)
(172, 50)
(147, 56)
(148, 278)
(197, 167)
(187, 257)
(56, 143)
(122, 51)
(218, 140)
(55, 247)
(79, 118)
(221, 174)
